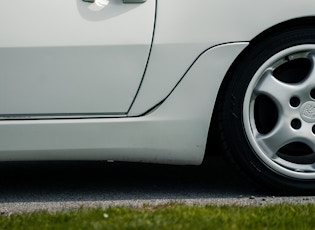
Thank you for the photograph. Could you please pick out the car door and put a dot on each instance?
(72, 57)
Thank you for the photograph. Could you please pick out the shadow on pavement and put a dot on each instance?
(94, 181)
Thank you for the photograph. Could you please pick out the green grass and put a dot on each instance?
(172, 216)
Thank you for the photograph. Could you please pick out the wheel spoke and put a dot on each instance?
(277, 138)
(310, 80)
(308, 168)
(278, 91)
(296, 167)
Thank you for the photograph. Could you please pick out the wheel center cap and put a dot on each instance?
(307, 111)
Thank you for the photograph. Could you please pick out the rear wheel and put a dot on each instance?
(267, 111)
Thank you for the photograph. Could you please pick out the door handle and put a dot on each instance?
(134, 1)
(124, 1)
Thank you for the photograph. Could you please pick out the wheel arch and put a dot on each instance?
(278, 28)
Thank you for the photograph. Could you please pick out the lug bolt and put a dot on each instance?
(295, 102)
(296, 124)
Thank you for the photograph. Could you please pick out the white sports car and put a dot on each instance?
(142, 80)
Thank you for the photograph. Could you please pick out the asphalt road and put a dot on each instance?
(64, 185)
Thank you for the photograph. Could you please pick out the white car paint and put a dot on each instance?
(174, 133)
(72, 57)
(182, 33)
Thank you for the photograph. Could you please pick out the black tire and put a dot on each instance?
(266, 111)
